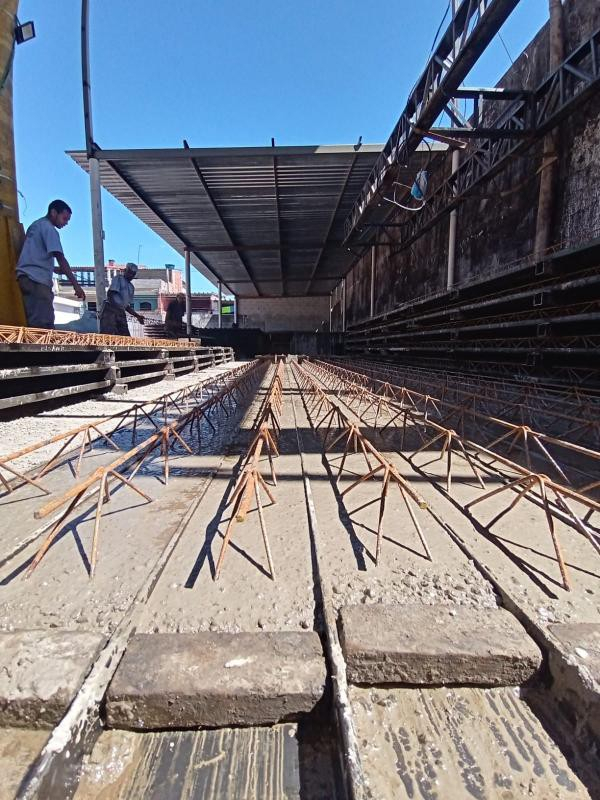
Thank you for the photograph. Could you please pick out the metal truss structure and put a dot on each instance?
(266, 432)
(528, 117)
(387, 405)
(203, 401)
(328, 419)
(472, 27)
(23, 335)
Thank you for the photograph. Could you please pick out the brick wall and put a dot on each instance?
(284, 313)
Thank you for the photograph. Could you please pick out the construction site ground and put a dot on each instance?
(427, 741)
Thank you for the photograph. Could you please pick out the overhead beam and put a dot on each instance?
(168, 225)
(473, 25)
(330, 224)
(198, 172)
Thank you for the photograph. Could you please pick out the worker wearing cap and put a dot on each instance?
(118, 301)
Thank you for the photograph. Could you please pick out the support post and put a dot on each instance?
(220, 304)
(373, 260)
(97, 233)
(188, 295)
(330, 310)
(452, 227)
(235, 316)
(344, 305)
(94, 166)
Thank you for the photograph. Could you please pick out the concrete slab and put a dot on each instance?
(581, 640)
(216, 680)
(574, 661)
(432, 645)
(41, 672)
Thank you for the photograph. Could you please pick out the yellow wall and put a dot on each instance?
(11, 231)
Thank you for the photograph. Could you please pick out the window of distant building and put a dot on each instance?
(145, 306)
(92, 306)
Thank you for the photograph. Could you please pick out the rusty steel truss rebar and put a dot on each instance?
(328, 418)
(391, 403)
(237, 383)
(250, 481)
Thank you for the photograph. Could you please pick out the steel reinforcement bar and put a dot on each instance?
(336, 427)
(266, 431)
(555, 500)
(571, 465)
(164, 438)
(91, 432)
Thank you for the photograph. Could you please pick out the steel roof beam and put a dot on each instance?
(198, 172)
(172, 228)
(330, 225)
(473, 26)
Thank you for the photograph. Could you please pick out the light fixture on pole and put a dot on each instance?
(24, 32)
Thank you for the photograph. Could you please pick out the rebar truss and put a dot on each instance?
(335, 426)
(397, 406)
(164, 439)
(250, 481)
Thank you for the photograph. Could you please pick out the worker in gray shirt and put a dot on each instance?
(118, 301)
(35, 267)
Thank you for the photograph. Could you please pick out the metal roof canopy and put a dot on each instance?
(266, 221)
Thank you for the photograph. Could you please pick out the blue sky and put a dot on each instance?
(218, 73)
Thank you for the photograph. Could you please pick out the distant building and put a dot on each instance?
(155, 287)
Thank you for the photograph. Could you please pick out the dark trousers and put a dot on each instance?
(113, 320)
(38, 301)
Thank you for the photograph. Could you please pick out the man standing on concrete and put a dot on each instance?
(35, 267)
(175, 311)
(118, 301)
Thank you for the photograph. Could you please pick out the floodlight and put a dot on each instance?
(24, 32)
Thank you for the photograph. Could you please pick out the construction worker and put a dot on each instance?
(118, 301)
(175, 311)
(35, 267)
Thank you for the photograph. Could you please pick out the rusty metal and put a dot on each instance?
(529, 484)
(129, 416)
(250, 481)
(23, 335)
(164, 439)
(354, 440)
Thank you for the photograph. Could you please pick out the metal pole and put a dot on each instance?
(94, 166)
(330, 310)
(344, 305)
(97, 232)
(220, 305)
(235, 308)
(373, 256)
(452, 228)
(188, 294)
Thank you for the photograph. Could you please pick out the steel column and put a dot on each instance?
(188, 294)
(220, 305)
(452, 228)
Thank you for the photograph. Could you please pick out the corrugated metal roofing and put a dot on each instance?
(266, 221)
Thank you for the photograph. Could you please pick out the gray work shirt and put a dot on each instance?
(36, 260)
(121, 291)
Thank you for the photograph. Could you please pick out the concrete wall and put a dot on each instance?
(284, 313)
(496, 226)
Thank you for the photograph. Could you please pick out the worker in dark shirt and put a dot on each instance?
(174, 315)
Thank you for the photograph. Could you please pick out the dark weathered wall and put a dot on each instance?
(497, 225)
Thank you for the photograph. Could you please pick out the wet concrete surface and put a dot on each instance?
(459, 743)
